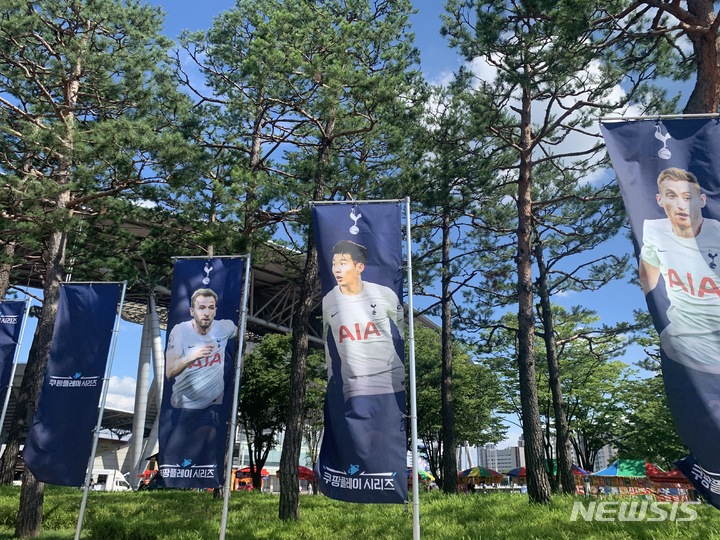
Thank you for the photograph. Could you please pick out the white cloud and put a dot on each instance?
(121, 393)
(483, 70)
(145, 203)
(443, 79)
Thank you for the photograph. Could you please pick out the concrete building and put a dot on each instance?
(510, 458)
(605, 456)
(490, 457)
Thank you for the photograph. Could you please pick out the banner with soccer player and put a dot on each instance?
(200, 354)
(363, 457)
(12, 315)
(668, 172)
(59, 443)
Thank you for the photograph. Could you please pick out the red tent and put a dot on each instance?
(304, 473)
(246, 471)
(656, 475)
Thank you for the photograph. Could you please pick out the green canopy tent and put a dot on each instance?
(623, 477)
(624, 467)
(639, 477)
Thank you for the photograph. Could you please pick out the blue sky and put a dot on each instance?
(437, 62)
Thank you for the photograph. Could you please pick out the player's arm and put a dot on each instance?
(649, 267)
(325, 318)
(396, 311)
(175, 363)
(230, 328)
(649, 276)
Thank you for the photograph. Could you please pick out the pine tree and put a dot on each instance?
(87, 111)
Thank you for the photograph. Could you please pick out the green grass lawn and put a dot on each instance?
(185, 515)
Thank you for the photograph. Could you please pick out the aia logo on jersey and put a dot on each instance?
(207, 361)
(706, 287)
(357, 333)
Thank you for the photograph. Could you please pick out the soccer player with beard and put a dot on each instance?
(195, 358)
(195, 354)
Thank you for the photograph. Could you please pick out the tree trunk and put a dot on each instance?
(6, 267)
(537, 479)
(255, 160)
(703, 34)
(449, 463)
(289, 482)
(562, 433)
(585, 455)
(29, 518)
(32, 495)
(578, 452)
(290, 457)
(547, 445)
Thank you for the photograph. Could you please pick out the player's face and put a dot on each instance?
(683, 204)
(346, 271)
(203, 311)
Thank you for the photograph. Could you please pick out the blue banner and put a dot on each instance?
(363, 457)
(59, 443)
(668, 172)
(200, 357)
(11, 319)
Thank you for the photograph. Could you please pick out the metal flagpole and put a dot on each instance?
(353, 201)
(103, 397)
(657, 117)
(236, 391)
(14, 365)
(413, 389)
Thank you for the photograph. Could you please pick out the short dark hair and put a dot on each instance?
(202, 292)
(358, 253)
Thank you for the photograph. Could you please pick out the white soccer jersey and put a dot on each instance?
(201, 383)
(361, 329)
(691, 270)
